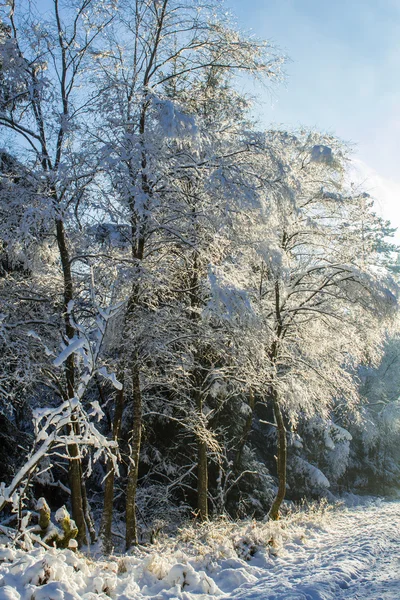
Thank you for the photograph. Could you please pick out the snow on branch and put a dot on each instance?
(58, 428)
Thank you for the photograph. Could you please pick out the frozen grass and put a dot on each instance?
(223, 538)
(211, 558)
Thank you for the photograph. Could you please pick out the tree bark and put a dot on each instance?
(138, 225)
(75, 467)
(131, 533)
(139, 228)
(87, 512)
(202, 470)
(202, 463)
(133, 472)
(75, 483)
(106, 522)
(281, 458)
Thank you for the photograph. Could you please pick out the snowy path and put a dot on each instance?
(358, 558)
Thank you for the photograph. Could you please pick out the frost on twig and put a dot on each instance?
(54, 426)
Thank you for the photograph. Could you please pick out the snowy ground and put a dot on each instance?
(342, 554)
(358, 557)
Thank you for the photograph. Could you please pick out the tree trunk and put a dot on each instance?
(75, 483)
(202, 470)
(106, 522)
(202, 464)
(202, 481)
(138, 224)
(87, 512)
(281, 458)
(131, 489)
(75, 467)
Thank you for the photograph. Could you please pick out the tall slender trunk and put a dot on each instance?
(75, 467)
(139, 229)
(138, 246)
(133, 472)
(281, 458)
(131, 535)
(202, 461)
(202, 469)
(138, 225)
(106, 521)
(75, 484)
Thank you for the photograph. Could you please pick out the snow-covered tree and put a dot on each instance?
(326, 292)
(43, 118)
(160, 155)
(211, 288)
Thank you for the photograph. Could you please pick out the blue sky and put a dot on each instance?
(344, 78)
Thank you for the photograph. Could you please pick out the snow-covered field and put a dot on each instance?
(336, 554)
